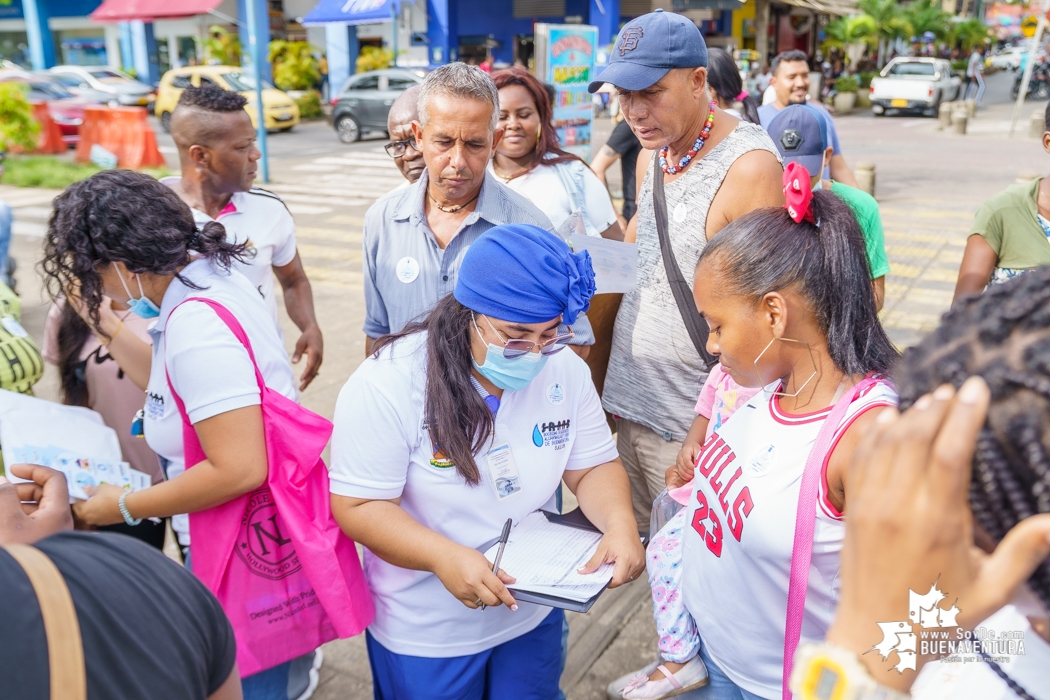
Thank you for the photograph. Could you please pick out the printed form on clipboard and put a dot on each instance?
(544, 553)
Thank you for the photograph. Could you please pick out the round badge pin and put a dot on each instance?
(407, 270)
(680, 212)
(556, 394)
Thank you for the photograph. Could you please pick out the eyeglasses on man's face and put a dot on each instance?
(396, 149)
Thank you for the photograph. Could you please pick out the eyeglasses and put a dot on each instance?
(396, 149)
(514, 348)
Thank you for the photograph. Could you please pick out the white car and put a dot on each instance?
(1007, 59)
(123, 89)
(914, 84)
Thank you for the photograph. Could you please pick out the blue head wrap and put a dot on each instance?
(523, 274)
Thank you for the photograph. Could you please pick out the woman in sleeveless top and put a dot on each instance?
(791, 311)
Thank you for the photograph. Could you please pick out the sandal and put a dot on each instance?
(690, 677)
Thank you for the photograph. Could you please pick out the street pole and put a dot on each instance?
(393, 29)
(256, 52)
(1029, 66)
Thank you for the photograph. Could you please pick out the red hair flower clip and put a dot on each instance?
(798, 193)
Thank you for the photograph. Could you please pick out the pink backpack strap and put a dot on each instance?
(238, 331)
(805, 516)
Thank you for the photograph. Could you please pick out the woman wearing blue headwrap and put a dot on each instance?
(451, 427)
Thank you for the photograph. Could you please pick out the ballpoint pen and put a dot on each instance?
(502, 545)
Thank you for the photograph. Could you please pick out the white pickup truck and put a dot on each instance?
(914, 84)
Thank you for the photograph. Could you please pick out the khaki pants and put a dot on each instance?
(646, 456)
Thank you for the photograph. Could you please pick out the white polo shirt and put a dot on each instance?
(381, 449)
(208, 366)
(260, 219)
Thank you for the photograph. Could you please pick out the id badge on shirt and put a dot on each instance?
(503, 470)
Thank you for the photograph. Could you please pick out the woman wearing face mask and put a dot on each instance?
(413, 476)
(123, 236)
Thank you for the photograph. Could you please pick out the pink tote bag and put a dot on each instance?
(287, 577)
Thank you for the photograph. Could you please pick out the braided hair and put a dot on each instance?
(1003, 336)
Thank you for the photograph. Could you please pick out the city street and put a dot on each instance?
(929, 184)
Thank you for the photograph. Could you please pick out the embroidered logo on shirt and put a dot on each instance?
(555, 394)
(550, 434)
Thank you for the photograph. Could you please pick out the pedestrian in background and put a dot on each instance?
(413, 480)
(415, 238)
(1010, 233)
(713, 169)
(218, 159)
(402, 147)
(801, 135)
(622, 146)
(727, 87)
(790, 81)
(7, 220)
(974, 74)
(530, 161)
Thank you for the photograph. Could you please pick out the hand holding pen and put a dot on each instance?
(499, 552)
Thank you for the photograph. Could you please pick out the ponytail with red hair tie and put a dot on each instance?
(798, 194)
(742, 96)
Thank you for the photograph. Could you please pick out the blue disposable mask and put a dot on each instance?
(142, 306)
(509, 374)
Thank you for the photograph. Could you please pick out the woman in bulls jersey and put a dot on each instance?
(787, 296)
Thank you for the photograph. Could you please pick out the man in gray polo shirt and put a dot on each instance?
(415, 238)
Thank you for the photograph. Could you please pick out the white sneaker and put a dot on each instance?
(690, 677)
(315, 675)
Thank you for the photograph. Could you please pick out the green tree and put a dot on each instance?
(221, 47)
(18, 129)
(927, 16)
(853, 35)
(968, 33)
(374, 58)
(889, 23)
(294, 65)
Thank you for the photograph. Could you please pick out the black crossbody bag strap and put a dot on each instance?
(683, 295)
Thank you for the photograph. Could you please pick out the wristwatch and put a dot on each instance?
(825, 671)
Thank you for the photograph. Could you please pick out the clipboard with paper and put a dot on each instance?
(544, 552)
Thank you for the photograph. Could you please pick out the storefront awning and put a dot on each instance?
(147, 10)
(827, 7)
(351, 12)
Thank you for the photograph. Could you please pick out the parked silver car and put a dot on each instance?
(90, 80)
(364, 101)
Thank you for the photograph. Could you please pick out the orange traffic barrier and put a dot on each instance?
(49, 140)
(124, 132)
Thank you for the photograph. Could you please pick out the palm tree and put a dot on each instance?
(968, 33)
(853, 35)
(889, 23)
(926, 16)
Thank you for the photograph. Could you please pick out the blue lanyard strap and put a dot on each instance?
(491, 401)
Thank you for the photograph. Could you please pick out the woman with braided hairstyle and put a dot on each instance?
(1002, 336)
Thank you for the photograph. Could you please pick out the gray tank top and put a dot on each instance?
(655, 373)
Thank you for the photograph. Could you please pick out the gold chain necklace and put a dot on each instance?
(508, 178)
(452, 209)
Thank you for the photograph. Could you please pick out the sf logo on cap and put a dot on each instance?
(629, 39)
(791, 139)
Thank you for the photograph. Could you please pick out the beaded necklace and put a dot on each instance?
(697, 145)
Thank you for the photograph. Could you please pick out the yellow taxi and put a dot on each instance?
(280, 111)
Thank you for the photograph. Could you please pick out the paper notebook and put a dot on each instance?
(544, 557)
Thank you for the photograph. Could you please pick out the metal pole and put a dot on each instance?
(258, 57)
(1029, 67)
(393, 28)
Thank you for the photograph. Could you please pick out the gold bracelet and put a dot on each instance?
(114, 336)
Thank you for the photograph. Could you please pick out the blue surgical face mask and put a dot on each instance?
(142, 306)
(509, 375)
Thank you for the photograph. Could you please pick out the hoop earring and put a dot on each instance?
(804, 384)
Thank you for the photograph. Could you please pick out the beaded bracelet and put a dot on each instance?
(124, 511)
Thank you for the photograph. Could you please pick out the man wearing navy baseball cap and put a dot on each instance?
(714, 169)
(801, 134)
